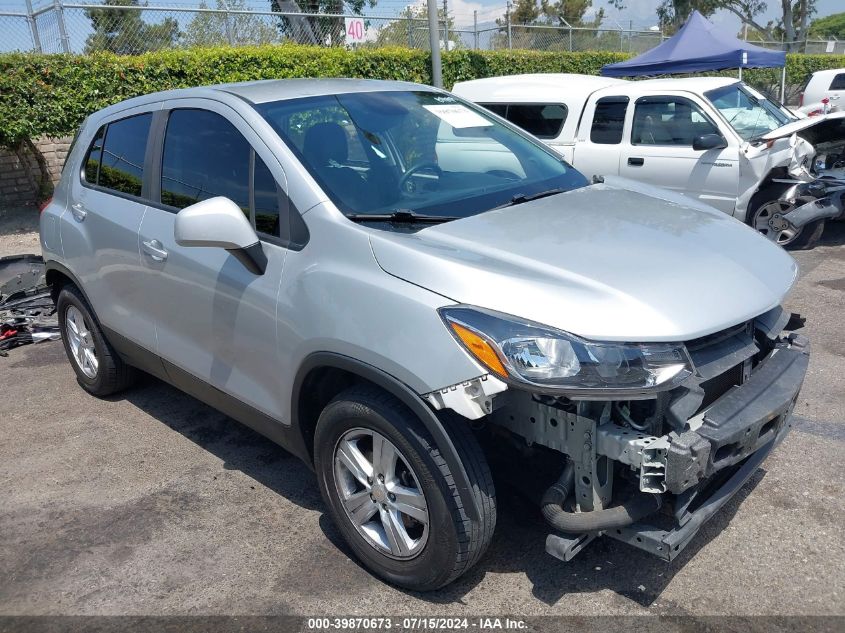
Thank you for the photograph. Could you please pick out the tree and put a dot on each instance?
(791, 27)
(123, 31)
(545, 13)
(216, 29)
(830, 26)
(317, 30)
(411, 29)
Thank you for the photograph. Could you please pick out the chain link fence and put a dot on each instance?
(84, 26)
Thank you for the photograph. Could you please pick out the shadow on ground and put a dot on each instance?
(517, 547)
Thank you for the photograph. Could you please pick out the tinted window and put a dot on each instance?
(266, 200)
(122, 163)
(541, 120)
(608, 120)
(838, 82)
(93, 157)
(204, 156)
(668, 121)
(499, 108)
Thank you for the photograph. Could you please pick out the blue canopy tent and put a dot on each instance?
(697, 47)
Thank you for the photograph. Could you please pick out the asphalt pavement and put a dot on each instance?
(152, 503)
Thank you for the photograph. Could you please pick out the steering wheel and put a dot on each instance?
(404, 182)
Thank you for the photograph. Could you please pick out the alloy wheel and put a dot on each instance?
(380, 493)
(81, 342)
(768, 220)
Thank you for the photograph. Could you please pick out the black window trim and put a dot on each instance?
(508, 105)
(159, 127)
(674, 98)
(142, 199)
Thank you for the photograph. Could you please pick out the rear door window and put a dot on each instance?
(115, 159)
(608, 120)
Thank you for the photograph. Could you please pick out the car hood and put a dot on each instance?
(812, 129)
(616, 261)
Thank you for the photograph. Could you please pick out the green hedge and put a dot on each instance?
(51, 94)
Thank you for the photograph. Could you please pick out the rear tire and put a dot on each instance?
(439, 550)
(765, 209)
(99, 370)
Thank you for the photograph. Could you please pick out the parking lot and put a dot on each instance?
(152, 503)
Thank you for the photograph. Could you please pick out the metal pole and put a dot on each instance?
(33, 26)
(228, 23)
(434, 41)
(508, 22)
(445, 25)
(60, 18)
(410, 30)
(783, 84)
(475, 30)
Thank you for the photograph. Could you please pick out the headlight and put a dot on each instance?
(551, 360)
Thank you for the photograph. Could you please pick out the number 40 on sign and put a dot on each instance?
(355, 30)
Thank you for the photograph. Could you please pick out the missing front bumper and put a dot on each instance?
(739, 432)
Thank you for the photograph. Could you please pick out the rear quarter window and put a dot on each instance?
(543, 120)
(838, 82)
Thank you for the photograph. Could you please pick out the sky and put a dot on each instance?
(641, 14)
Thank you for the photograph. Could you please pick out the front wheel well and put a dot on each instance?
(319, 387)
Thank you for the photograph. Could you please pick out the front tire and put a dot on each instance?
(99, 370)
(766, 214)
(392, 495)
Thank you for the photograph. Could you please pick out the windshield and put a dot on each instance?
(749, 113)
(420, 152)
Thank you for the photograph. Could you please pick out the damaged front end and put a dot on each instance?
(649, 469)
(808, 157)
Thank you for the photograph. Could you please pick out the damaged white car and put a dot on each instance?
(713, 138)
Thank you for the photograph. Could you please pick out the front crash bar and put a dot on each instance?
(828, 203)
(824, 209)
(668, 544)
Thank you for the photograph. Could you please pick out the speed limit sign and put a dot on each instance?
(355, 30)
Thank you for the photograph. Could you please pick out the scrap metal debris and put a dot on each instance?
(27, 312)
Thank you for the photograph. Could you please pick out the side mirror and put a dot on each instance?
(709, 141)
(219, 222)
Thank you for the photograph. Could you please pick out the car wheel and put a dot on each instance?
(392, 495)
(767, 219)
(99, 370)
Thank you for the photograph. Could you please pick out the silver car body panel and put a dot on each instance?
(594, 262)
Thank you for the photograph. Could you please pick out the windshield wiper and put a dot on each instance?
(403, 216)
(521, 197)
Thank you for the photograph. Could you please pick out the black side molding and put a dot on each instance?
(409, 398)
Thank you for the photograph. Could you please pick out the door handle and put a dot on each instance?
(78, 211)
(636, 162)
(833, 97)
(155, 250)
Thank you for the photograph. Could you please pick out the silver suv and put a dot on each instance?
(400, 287)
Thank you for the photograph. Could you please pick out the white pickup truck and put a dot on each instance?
(713, 138)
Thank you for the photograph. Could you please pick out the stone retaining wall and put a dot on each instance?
(19, 170)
